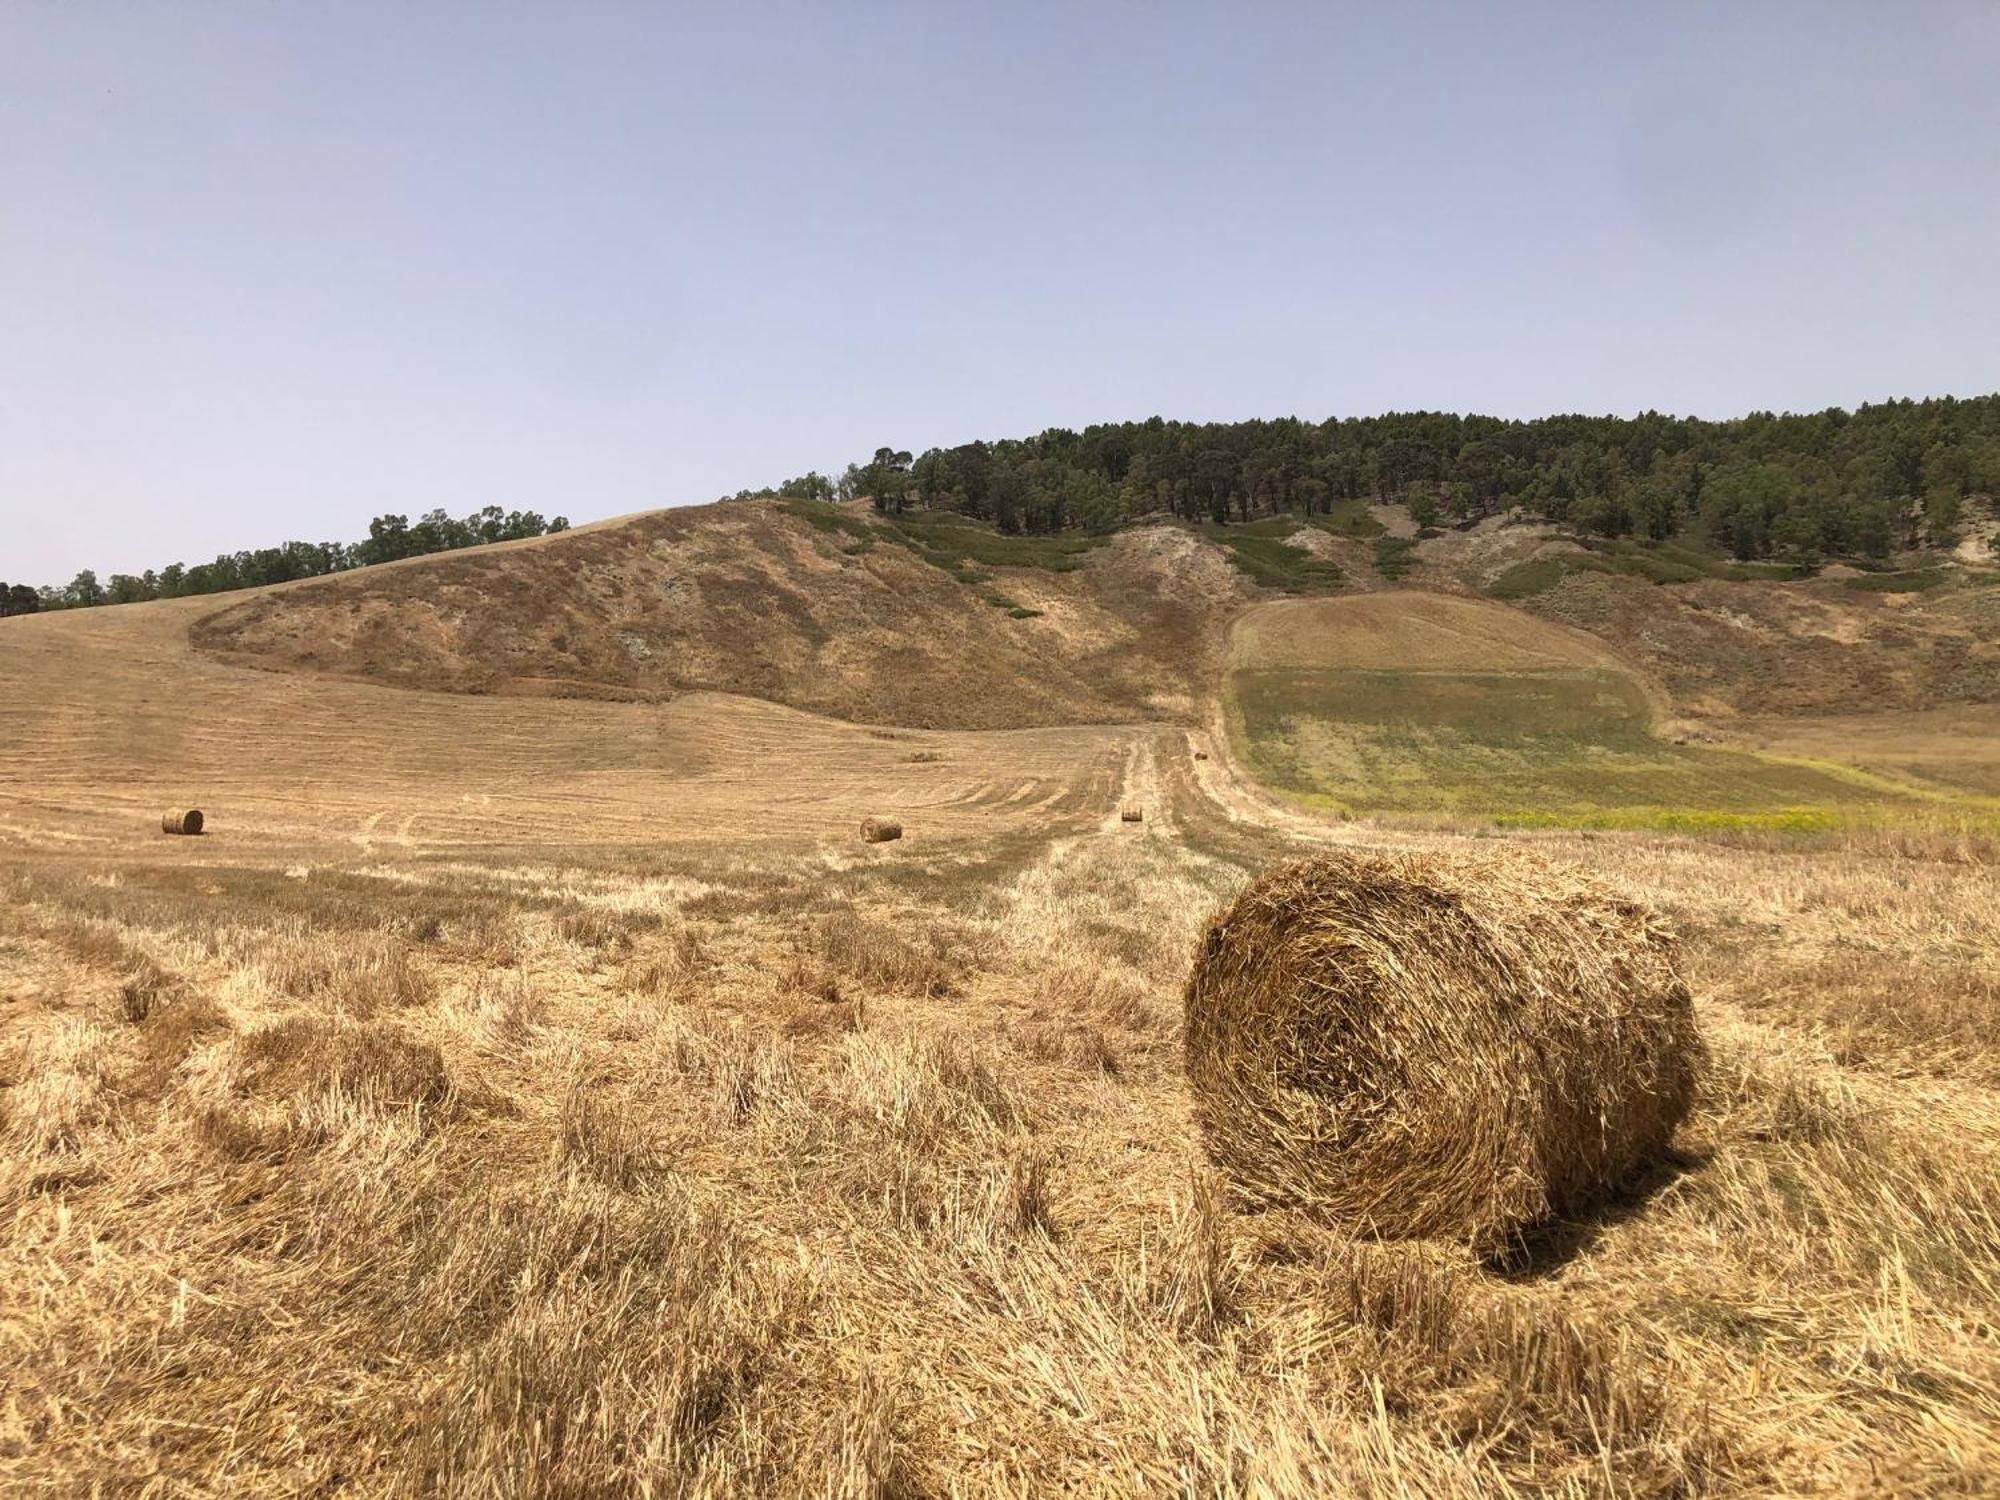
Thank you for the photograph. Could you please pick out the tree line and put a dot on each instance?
(390, 537)
(1795, 487)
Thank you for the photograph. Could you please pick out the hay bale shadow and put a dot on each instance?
(1546, 1249)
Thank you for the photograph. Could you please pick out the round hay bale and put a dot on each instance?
(1201, 755)
(1424, 1049)
(880, 830)
(182, 822)
(1131, 815)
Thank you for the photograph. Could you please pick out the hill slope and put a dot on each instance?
(749, 598)
(839, 613)
(1422, 703)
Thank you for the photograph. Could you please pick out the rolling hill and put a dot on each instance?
(752, 598)
(954, 626)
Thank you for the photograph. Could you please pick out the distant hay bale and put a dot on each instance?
(1201, 755)
(182, 822)
(1426, 1049)
(880, 830)
(1131, 815)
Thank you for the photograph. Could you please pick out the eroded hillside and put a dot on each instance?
(842, 614)
(1810, 648)
(1721, 646)
(748, 598)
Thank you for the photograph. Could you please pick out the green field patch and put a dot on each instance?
(950, 542)
(1561, 747)
(1540, 574)
(1710, 564)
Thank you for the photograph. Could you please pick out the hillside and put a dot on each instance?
(753, 599)
(946, 625)
(1423, 703)
(1723, 641)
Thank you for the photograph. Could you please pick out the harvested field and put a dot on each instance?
(510, 1096)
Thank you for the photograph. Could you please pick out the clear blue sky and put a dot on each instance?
(269, 269)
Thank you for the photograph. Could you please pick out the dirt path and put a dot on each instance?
(1141, 788)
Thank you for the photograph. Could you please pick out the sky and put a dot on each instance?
(270, 269)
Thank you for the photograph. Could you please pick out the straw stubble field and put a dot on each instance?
(508, 1097)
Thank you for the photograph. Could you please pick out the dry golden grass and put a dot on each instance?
(389, 1141)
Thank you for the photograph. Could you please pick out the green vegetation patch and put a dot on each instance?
(1540, 574)
(1260, 550)
(1014, 611)
(1709, 564)
(1655, 566)
(1395, 556)
(1273, 528)
(1912, 581)
(950, 541)
(1349, 518)
(824, 517)
(1662, 562)
(1565, 747)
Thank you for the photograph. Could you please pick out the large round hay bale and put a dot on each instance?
(182, 822)
(1131, 815)
(880, 830)
(1428, 1049)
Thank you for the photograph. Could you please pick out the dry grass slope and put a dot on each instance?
(749, 598)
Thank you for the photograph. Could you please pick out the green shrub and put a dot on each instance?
(1395, 556)
(1258, 549)
(948, 541)
(1913, 581)
(1350, 518)
(1540, 574)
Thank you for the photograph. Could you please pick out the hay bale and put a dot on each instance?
(1131, 815)
(182, 822)
(1201, 755)
(880, 830)
(1424, 1049)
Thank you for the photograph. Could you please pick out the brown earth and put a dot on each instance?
(746, 598)
(1722, 649)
